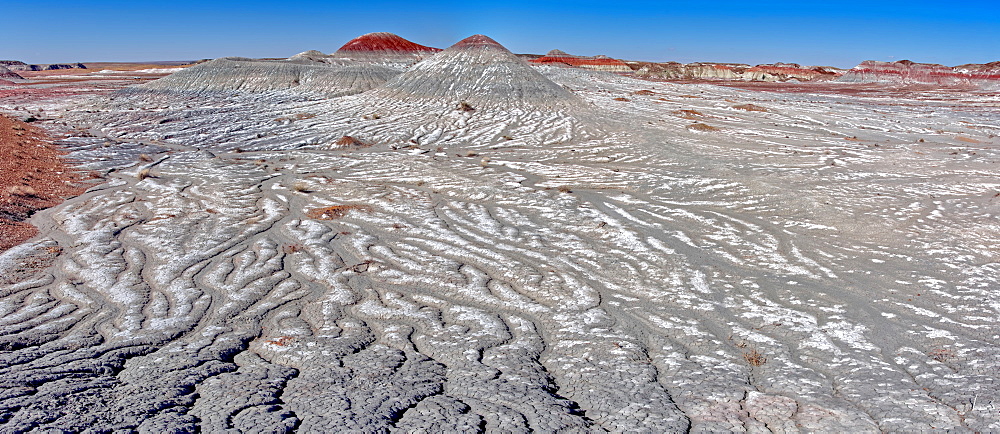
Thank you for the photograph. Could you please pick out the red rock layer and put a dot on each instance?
(603, 63)
(33, 176)
(384, 41)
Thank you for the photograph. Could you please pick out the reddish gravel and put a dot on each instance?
(33, 176)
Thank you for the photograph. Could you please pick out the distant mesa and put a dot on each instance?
(17, 65)
(597, 63)
(905, 72)
(479, 72)
(259, 76)
(734, 71)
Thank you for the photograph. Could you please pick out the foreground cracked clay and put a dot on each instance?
(509, 248)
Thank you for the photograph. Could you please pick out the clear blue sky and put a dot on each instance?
(840, 33)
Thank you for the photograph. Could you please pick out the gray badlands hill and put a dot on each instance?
(480, 72)
(245, 75)
(8, 74)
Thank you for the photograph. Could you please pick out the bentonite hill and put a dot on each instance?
(394, 237)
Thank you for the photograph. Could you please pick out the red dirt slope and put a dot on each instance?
(33, 176)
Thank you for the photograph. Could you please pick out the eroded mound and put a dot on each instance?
(480, 72)
(233, 74)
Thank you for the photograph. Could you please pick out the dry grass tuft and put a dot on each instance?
(698, 126)
(750, 108)
(336, 211)
(22, 190)
(689, 114)
(348, 141)
(302, 187)
(296, 117)
(941, 354)
(754, 358)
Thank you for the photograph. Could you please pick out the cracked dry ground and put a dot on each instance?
(821, 263)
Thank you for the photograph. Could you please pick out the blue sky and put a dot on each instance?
(838, 33)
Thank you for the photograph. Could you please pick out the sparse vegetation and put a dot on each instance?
(143, 174)
(565, 189)
(750, 108)
(348, 141)
(644, 92)
(288, 249)
(336, 211)
(941, 354)
(302, 187)
(698, 126)
(465, 107)
(754, 358)
(296, 117)
(22, 190)
(145, 158)
(689, 114)
(622, 99)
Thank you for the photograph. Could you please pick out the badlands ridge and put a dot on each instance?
(394, 237)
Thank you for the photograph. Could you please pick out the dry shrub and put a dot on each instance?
(281, 341)
(348, 141)
(565, 189)
(754, 358)
(622, 99)
(941, 354)
(301, 187)
(22, 190)
(288, 249)
(465, 107)
(145, 158)
(644, 92)
(689, 114)
(335, 212)
(296, 117)
(750, 108)
(698, 126)
(143, 174)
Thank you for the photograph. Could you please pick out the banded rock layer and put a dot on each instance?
(596, 63)
(734, 71)
(904, 72)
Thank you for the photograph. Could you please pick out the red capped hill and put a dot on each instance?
(478, 41)
(384, 41)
